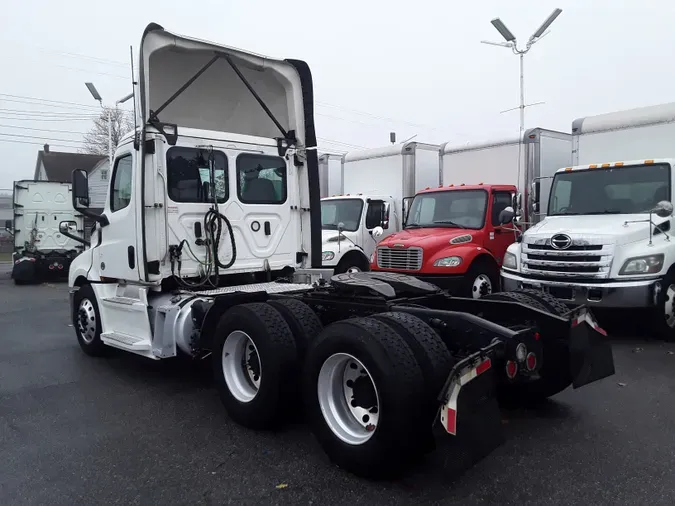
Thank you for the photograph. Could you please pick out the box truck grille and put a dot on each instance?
(404, 259)
(577, 261)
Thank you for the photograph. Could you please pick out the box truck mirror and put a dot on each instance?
(385, 216)
(507, 215)
(663, 209)
(535, 192)
(518, 201)
(8, 225)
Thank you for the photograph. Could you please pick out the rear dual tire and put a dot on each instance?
(555, 371)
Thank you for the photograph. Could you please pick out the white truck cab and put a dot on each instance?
(605, 240)
(351, 226)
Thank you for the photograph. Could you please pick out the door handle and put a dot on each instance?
(268, 228)
(131, 257)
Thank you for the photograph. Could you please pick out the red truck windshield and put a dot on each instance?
(449, 208)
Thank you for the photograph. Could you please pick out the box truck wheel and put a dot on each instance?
(87, 321)
(255, 365)
(664, 318)
(364, 391)
(303, 322)
(481, 279)
(352, 262)
(555, 373)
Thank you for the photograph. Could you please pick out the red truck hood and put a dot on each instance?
(430, 239)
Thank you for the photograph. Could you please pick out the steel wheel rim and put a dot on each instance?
(482, 286)
(669, 307)
(86, 320)
(241, 365)
(340, 396)
(353, 270)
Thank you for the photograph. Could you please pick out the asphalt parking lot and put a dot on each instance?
(123, 430)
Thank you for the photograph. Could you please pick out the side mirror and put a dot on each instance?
(507, 215)
(69, 229)
(518, 201)
(8, 225)
(80, 180)
(663, 209)
(68, 226)
(378, 232)
(385, 217)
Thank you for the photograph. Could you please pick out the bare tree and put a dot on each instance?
(96, 141)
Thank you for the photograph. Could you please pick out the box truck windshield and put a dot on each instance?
(452, 209)
(345, 211)
(617, 190)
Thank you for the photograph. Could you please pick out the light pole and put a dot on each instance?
(94, 93)
(511, 43)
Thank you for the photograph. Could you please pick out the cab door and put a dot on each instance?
(116, 256)
(498, 236)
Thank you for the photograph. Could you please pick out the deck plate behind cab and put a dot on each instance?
(388, 284)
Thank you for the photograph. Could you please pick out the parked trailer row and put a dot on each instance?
(210, 246)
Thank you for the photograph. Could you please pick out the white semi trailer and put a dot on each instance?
(44, 221)
(208, 242)
(606, 239)
(374, 185)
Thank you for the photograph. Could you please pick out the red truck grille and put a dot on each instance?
(401, 259)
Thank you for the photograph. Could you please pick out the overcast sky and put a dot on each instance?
(412, 67)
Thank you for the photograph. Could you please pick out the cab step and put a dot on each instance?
(128, 343)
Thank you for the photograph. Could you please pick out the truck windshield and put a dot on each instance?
(449, 208)
(347, 211)
(617, 190)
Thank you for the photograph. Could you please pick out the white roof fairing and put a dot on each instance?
(217, 100)
(641, 116)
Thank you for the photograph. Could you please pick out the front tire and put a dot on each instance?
(664, 312)
(352, 263)
(87, 322)
(481, 280)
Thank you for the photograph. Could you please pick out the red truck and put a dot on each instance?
(454, 237)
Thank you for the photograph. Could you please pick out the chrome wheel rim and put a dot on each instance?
(669, 307)
(348, 399)
(241, 365)
(482, 286)
(86, 320)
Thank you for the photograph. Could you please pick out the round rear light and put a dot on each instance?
(51, 267)
(511, 369)
(521, 352)
(531, 361)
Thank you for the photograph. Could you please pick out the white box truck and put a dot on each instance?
(374, 184)
(330, 174)
(600, 244)
(509, 161)
(44, 220)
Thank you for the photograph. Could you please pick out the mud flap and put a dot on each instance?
(470, 411)
(24, 271)
(591, 356)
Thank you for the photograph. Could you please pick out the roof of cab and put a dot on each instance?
(618, 163)
(463, 187)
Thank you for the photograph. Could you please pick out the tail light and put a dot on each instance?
(521, 352)
(511, 369)
(60, 267)
(531, 362)
(51, 267)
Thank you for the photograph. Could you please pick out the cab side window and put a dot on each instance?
(374, 214)
(500, 201)
(120, 196)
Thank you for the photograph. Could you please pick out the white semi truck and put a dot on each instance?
(375, 184)
(606, 239)
(211, 235)
(44, 221)
(510, 161)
